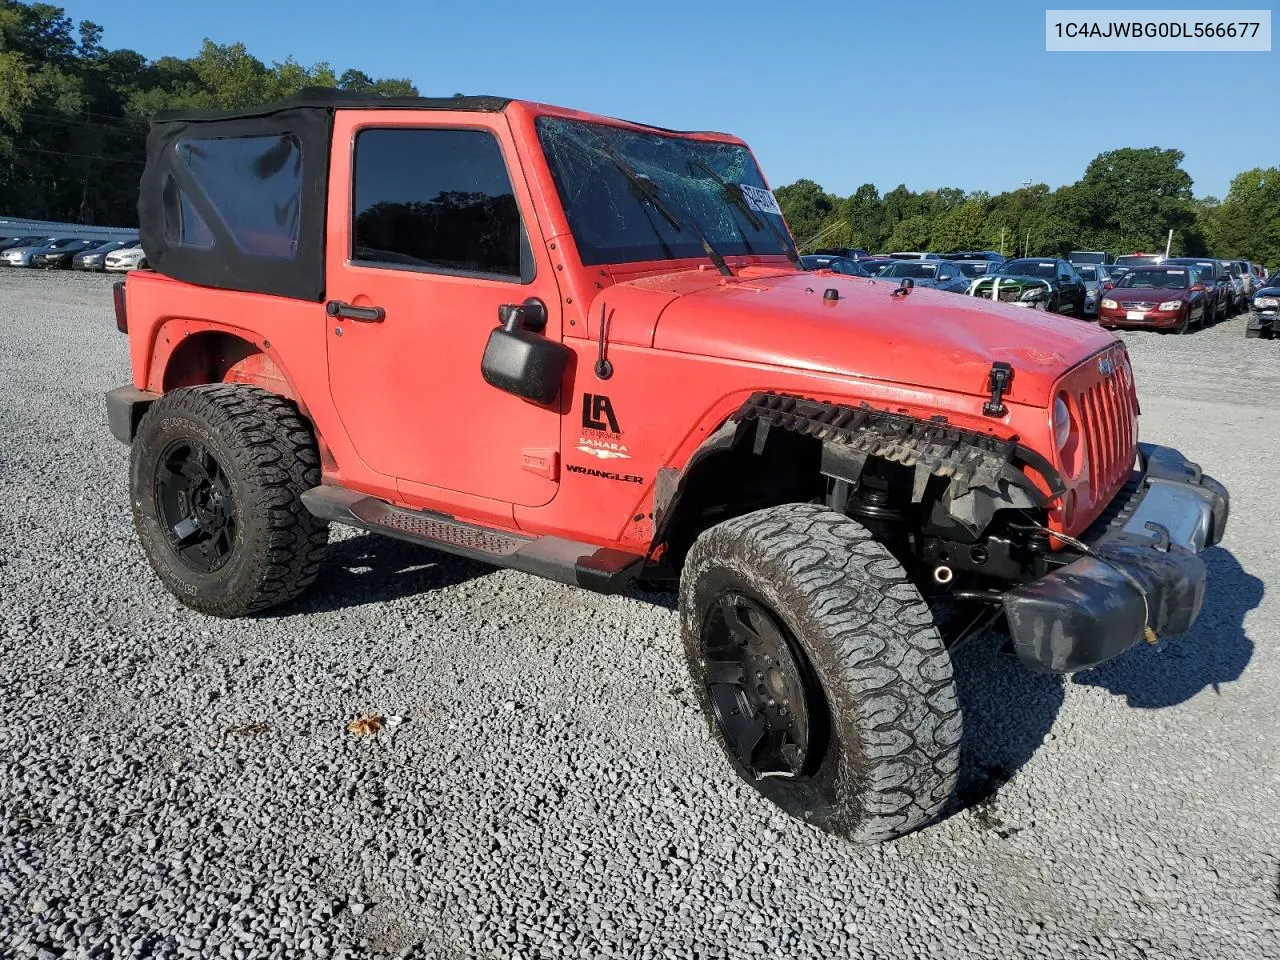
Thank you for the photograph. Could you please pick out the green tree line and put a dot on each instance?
(1128, 200)
(74, 115)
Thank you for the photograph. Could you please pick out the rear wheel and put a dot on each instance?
(820, 670)
(217, 473)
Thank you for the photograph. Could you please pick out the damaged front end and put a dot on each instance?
(1020, 291)
(967, 513)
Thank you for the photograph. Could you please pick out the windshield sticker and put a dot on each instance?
(1178, 273)
(760, 200)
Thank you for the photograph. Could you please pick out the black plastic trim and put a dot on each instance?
(125, 408)
(600, 569)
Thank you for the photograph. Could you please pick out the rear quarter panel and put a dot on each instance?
(163, 313)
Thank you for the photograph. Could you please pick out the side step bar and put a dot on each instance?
(601, 569)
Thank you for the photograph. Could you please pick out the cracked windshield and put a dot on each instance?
(633, 196)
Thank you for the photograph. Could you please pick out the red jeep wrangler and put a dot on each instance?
(584, 348)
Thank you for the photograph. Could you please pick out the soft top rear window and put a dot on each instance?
(254, 184)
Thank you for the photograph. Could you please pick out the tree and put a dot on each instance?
(1129, 199)
(1247, 223)
(74, 114)
(806, 207)
(962, 228)
(910, 234)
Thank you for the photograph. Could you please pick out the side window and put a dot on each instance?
(1064, 271)
(436, 200)
(944, 273)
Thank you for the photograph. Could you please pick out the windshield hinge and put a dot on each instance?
(998, 381)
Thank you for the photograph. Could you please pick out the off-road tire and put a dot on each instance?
(268, 455)
(892, 745)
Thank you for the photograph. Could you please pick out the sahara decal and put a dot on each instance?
(603, 449)
(604, 474)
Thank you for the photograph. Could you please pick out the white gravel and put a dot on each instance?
(177, 786)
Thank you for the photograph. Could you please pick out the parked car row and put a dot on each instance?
(72, 253)
(1132, 290)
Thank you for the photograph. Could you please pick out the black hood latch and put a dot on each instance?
(998, 382)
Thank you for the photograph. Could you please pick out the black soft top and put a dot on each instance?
(235, 199)
(328, 98)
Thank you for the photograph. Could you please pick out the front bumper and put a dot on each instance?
(1158, 319)
(1141, 578)
(1263, 319)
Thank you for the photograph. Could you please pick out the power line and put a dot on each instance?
(80, 156)
(59, 118)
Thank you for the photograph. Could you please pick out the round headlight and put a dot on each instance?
(1061, 422)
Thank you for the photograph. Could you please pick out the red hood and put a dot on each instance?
(927, 339)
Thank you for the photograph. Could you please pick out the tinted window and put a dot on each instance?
(911, 268)
(1156, 279)
(435, 199)
(1029, 268)
(252, 183)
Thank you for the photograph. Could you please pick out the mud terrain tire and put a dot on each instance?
(885, 723)
(219, 470)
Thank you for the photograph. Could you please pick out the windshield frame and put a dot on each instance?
(650, 237)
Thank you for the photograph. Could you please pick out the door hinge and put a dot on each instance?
(541, 461)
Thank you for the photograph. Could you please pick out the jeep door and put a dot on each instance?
(430, 232)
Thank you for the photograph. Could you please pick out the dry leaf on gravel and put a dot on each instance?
(366, 725)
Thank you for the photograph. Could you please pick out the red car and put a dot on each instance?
(1163, 297)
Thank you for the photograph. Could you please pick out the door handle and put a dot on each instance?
(336, 308)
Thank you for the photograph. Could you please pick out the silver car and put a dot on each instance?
(21, 256)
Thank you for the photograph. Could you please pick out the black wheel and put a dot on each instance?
(820, 670)
(216, 476)
(1184, 325)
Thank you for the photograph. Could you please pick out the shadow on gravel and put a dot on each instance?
(1008, 712)
(1214, 651)
(372, 569)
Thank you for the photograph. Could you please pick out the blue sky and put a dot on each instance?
(814, 88)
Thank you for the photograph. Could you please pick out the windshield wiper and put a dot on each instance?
(647, 192)
(733, 191)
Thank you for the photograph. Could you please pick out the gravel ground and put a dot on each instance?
(172, 785)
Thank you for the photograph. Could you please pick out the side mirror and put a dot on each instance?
(1198, 288)
(519, 360)
(1108, 285)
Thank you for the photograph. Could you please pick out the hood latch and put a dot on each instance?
(998, 382)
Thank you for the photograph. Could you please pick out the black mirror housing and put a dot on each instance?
(525, 364)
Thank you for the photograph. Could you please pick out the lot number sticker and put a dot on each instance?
(761, 200)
